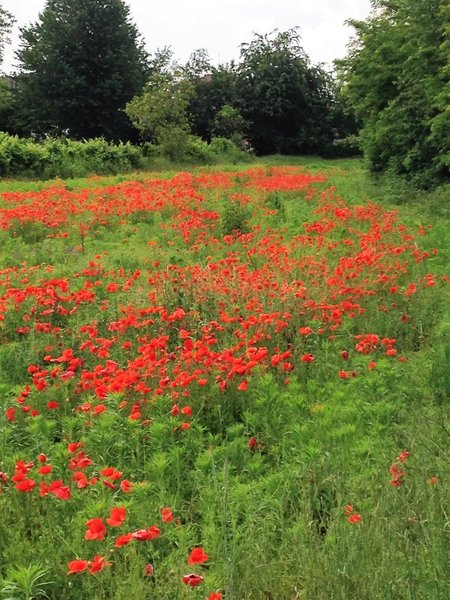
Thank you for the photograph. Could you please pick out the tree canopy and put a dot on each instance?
(161, 110)
(81, 62)
(6, 22)
(286, 100)
(396, 78)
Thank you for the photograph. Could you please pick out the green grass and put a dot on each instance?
(271, 515)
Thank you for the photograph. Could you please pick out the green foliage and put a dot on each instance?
(277, 508)
(213, 90)
(230, 124)
(25, 583)
(162, 115)
(160, 112)
(396, 78)
(286, 100)
(274, 100)
(24, 157)
(81, 62)
(6, 22)
(235, 218)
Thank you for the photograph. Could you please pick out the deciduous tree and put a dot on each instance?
(396, 77)
(6, 22)
(286, 100)
(160, 113)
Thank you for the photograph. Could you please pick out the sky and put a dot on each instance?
(220, 26)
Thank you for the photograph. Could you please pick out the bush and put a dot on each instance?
(235, 219)
(227, 150)
(343, 148)
(26, 157)
(62, 157)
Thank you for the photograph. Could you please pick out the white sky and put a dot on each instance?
(220, 26)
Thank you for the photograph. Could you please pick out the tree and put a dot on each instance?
(213, 89)
(160, 113)
(81, 62)
(396, 77)
(198, 65)
(286, 101)
(230, 124)
(6, 23)
(6, 99)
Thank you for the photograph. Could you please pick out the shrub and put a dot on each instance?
(26, 157)
(62, 157)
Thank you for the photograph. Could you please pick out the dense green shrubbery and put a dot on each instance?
(26, 157)
(396, 82)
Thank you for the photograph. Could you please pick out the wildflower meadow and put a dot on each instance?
(223, 383)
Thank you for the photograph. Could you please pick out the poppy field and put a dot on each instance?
(223, 384)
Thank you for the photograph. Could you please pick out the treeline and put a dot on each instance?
(84, 73)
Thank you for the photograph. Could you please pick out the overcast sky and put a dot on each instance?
(221, 25)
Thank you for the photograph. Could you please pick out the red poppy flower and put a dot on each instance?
(305, 330)
(45, 469)
(73, 446)
(197, 557)
(117, 516)
(26, 485)
(109, 484)
(98, 564)
(58, 489)
(354, 518)
(10, 414)
(81, 479)
(403, 456)
(96, 530)
(126, 486)
(166, 515)
(143, 535)
(148, 570)
(307, 358)
(192, 579)
(123, 540)
(77, 566)
(215, 596)
(111, 473)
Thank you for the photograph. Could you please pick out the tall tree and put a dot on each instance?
(81, 62)
(286, 100)
(396, 77)
(6, 22)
